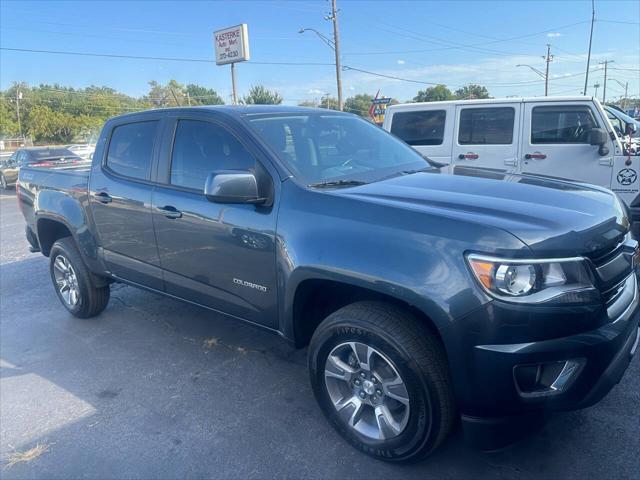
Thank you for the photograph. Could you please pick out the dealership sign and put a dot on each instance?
(378, 109)
(231, 44)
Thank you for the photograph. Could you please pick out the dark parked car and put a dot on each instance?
(424, 298)
(34, 156)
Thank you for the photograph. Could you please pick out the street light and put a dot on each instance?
(331, 44)
(626, 88)
(321, 36)
(334, 45)
(542, 74)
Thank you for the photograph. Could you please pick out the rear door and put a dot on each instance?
(555, 143)
(429, 131)
(486, 135)
(120, 199)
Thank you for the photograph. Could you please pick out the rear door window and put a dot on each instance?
(486, 126)
(419, 127)
(564, 124)
(131, 149)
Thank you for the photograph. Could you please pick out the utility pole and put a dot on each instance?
(593, 19)
(18, 98)
(336, 44)
(596, 86)
(626, 90)
(548, 58)
(604, 87)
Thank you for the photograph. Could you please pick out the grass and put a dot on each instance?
(26, 456)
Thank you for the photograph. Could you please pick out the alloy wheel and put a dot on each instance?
(367, 391)
(66, 281)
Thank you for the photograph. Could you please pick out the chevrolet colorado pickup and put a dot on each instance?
(423, 298)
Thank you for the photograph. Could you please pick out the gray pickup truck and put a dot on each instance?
(424, 298)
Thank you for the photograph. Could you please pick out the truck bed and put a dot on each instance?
(53, 190)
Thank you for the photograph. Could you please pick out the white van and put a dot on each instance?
(562, 137)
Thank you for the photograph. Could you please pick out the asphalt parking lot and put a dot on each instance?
(154, 388)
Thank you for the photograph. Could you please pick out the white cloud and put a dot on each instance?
(554, 34)
(400, 62)
(315, 91)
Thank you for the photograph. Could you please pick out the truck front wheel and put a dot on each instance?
(73, 282)
(381, 379)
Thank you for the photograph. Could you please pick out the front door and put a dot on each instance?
(218, 255)
(486, 136)
(555, 143)
(120, 199)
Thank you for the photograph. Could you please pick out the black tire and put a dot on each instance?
(419, 359)
(91, 299)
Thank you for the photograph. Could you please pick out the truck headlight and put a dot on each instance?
(563, 280)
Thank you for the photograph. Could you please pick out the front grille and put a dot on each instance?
(612, 267)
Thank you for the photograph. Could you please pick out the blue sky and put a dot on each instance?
(455, 43)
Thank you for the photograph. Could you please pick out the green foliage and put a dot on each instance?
(329, 102)
(198, 95)
(308, 103)
(469, 92)
(8, 118)
(359, 104)
(437, 93)
(259, 95)
(55, 114)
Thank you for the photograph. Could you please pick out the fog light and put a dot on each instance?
(544, 379)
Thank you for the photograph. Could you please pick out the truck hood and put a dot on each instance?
(553, 217)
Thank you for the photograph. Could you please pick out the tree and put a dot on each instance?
(329, 102)
(173, 94)
(259, 95)
(8, 118)
(198, 95)
(359, 104)
(438, 93)
(308, 103)
(472, 91)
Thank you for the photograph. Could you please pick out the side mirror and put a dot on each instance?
(232, 186)
(597, 136)
(631, 128)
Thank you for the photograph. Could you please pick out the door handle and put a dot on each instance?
(468, 156)
(535, 156)
(170, 212)
(102, 197)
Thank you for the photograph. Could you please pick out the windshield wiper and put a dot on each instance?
(417, 170)
(337, 183)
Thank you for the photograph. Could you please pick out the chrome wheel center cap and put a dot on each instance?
(368, 387)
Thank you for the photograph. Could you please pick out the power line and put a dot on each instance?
(474, 45)
(142, 57)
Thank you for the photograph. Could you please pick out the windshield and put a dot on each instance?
(50, 154)
(619, 121)
(321, 148)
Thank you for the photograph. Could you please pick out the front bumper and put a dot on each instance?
(487, 386)
(495, 412)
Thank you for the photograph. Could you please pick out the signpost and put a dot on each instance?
(232, 46)
(378, 109)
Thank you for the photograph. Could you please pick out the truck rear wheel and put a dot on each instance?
(73, 282)
(382, 380)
